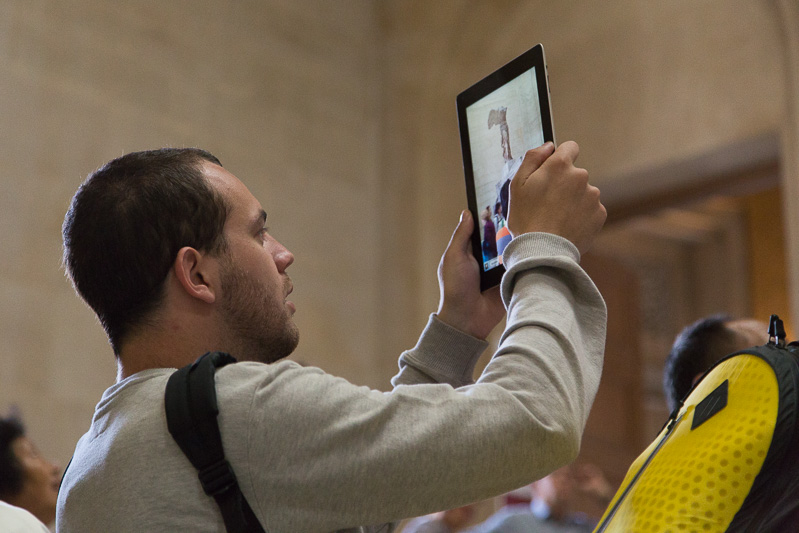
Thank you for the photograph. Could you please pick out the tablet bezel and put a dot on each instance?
(533, 58)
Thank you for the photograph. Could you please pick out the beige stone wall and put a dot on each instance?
(639, 85)
(286, 94)
(340, 116)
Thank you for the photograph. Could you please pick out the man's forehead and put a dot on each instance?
(241, 201)
(754, 331)
(220, 179)
(749, 324)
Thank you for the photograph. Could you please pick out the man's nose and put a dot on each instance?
(283, 257)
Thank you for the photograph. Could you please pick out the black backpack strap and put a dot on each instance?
(191, 416)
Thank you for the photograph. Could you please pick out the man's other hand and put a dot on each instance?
(462, 305)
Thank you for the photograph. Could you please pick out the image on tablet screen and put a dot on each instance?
(503, 125)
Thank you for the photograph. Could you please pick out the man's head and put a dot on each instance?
(27, 479)
(146, 215)
(703, 343)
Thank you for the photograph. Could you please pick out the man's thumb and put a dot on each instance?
(463, 232)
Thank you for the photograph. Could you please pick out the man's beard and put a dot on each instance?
(258, 327)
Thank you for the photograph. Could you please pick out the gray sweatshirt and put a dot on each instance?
(315, 453)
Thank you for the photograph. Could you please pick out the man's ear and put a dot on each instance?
(197, 274)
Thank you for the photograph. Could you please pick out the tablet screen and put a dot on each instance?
(501, 117)
(502, 127)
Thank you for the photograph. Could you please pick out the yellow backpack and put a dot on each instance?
(727, 460)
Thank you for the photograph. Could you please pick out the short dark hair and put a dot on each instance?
(697, 347)
(10, 468)
(127, 222)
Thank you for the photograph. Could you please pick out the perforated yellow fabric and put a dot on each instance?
(699, 478)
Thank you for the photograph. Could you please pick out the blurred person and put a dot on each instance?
(448, 521)
(18, 520)
(489, 235)
(27, 479)
(173, 254)
(702, 344)
(553, 504)
(503, 236)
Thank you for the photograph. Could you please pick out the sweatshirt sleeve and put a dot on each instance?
(442, 355)
(360, 456)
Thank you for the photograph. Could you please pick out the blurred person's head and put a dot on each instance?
(455, 519)
(27, 479)
(557, 491)
(576, 493)
(701, 345)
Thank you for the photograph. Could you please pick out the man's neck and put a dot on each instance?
(182, 329)
(135, 359)
(170, 348)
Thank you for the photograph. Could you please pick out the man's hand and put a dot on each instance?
(549, 194)
(462, 305)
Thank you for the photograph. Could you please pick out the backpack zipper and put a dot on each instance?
(669, 431)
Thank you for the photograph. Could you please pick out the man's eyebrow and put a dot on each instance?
(261, 219)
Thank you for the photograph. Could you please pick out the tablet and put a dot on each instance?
(500, 118)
